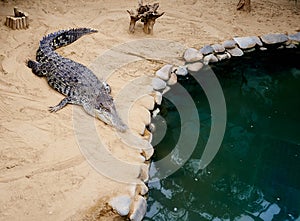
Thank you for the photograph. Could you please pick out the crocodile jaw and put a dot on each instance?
(111, 117)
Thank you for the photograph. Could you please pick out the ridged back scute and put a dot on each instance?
(63, 38)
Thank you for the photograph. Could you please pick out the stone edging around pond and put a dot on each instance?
(167, 76)
(196, 59)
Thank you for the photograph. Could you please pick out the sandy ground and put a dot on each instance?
(43, 173)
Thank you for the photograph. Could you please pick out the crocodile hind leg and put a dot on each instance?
(62, 104)
(36, 68)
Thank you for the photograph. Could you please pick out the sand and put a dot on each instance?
(44, 172)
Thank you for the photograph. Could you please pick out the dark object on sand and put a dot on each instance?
(19, 21)
(244, 5)
(147, 13)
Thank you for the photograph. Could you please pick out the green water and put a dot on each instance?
(256, 173)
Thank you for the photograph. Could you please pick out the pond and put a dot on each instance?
(256, 172)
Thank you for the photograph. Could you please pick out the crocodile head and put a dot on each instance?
(105, 110)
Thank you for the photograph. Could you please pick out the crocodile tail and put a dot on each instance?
(63, 38)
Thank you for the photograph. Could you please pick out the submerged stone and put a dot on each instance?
(229, 44)
(218, 48)
(247, 42)
(274, 38)
(207, 49)
(192, 54)
(235, 52)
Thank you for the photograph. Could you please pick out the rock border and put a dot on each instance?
(135, 208)
(196, 59)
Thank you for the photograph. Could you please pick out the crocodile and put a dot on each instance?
(74, 80)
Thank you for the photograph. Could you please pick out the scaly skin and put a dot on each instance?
(74, 80)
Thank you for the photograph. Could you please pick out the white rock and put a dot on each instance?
(194, 67)
(295, 37)
(139, 209)
(235, 52)
(144, 168)
(222, 57)
(166, 90)
(246, 42)
(249, 50)
(164, 72)
(257, 40)
(229, 44)
(207, 49)
(182, 71)
(158, 97)
(155, 112)
(228, 55)
(148, 152)
(291, 46)
(218, 48)
(192, 54)
(152, 127)
(210, 59)
(158, 84)
(172, 80)
(274, 38)
(263, 48)
(142, 189)
(121, 204)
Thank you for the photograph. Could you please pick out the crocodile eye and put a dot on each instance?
(101, 107)
(106, 87)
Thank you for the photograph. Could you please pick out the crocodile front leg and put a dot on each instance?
(36, 68)
(62, 104)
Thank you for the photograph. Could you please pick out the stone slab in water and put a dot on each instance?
(229, 44)
(295, 37)
(235, 52)
(274, 38)
(158, 84)
(192, 54)
(218, 48)
(247, 42)
(207, 49)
